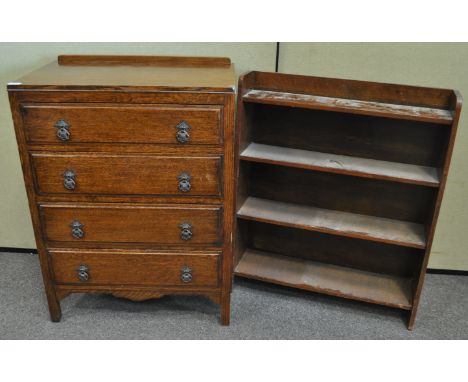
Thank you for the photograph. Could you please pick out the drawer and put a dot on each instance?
(126, 174)
(109, 267)
(113, 123)
(132, 223)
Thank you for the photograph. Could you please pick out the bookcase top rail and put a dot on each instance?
(396, 94)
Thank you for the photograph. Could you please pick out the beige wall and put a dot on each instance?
(17, 60)
(426, 64)
(439, 65)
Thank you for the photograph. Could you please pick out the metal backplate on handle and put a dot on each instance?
(63, 132)
(182, 134)
(83, 273)
(186, 274)
(69, 180)
(185, 231)
(184, 182)
(77, 229)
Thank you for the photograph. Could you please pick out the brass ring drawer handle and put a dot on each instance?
(182, 134)
(77, 229)
(184, 182)
(185, 231)
(186, 274)
(69, 181)
(83, 273)
(63, 132)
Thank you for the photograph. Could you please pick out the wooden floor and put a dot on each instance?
(342, 164)
(329, 279)
(334, 222)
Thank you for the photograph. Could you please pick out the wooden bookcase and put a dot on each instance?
(340, 184)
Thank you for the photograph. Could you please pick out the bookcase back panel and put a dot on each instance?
(341, 192)
(342, 251)
(393, 140)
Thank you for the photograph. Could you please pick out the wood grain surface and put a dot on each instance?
(95, 60)
(178, 75)
(388, 110)
(120, 223)
(336, 222)
(141, 268)
(342, 164)
(113, 174)
(114, 123)
(326, 278)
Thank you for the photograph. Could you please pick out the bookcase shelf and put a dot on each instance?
(354, 106)
(342, 164)
(338, 223)
(340, 184)
(388, 290)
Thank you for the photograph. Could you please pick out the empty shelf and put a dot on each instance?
(378, 109)
(334, 222)
(369, 168)
(329, 279)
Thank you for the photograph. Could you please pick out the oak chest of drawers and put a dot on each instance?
(128, 165)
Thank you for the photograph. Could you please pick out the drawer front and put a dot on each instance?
(111, 223)
(126, 174)
(135, 268)
(110, 123)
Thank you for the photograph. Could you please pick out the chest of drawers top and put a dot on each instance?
(197, 74)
